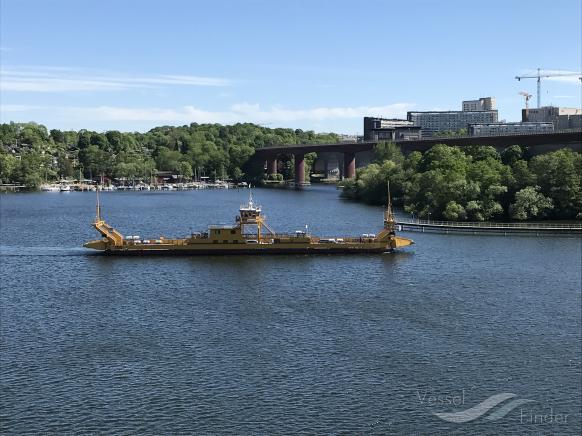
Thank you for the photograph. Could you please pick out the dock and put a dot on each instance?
(496, 228)
(11, 187)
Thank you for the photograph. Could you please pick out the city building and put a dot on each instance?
(435, 121)
(562, 117)
(495, 129)
(384, 129)
(483, 104)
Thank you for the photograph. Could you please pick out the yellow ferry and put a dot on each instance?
(237, 239)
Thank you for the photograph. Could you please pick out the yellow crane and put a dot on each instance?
(527, 97)
(540, 74)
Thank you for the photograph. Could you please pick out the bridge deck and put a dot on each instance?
(572, 136)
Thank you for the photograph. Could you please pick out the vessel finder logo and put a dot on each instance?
(483, 409)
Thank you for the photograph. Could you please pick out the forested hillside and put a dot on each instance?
(31, 155)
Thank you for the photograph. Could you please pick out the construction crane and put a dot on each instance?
(539, 76)
(527, 97)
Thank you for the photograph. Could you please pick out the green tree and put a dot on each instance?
(530, 203)
(454, 212)
(237, 174)
(32, 170)
(511, 155)
(474, 210)
(83, 139)
(33, 134)
(66, 168)
(100, 140)
(32, 180)
(167, 160)
(482, 152)
(388, 151)
(522, 175)
(95, 161)
(57, 136)
(185, 170)
(8, 164)
(558, 175)
(9, 134)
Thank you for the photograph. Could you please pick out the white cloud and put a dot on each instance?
(241, 112)
(186, 80)
(56, 79)
(18, 108)
(279, 113)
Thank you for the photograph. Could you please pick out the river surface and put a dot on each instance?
(365, 344)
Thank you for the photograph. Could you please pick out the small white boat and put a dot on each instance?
(65, 188)
(49, 188)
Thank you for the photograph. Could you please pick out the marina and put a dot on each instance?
(92, 187)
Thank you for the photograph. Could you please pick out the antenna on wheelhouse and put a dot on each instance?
(250, 196)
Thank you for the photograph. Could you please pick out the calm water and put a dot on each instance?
(284, 344)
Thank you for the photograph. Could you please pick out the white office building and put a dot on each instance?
(483, 104)
(435, 121)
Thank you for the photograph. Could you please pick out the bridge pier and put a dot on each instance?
(349, 165)
(299, 169)
(272, 166)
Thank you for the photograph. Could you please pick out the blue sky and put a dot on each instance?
(321, 65)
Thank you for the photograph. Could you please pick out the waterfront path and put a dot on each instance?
(549, 228)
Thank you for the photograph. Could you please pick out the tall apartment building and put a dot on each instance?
(561, 117)
(483, 104)
(434, 121)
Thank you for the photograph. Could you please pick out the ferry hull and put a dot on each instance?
(231, 252)
(265, 249)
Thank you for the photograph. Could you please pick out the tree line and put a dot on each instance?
(30, 154)
(474, 183)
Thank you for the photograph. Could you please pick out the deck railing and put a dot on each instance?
(490, 225)
(351, 238)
